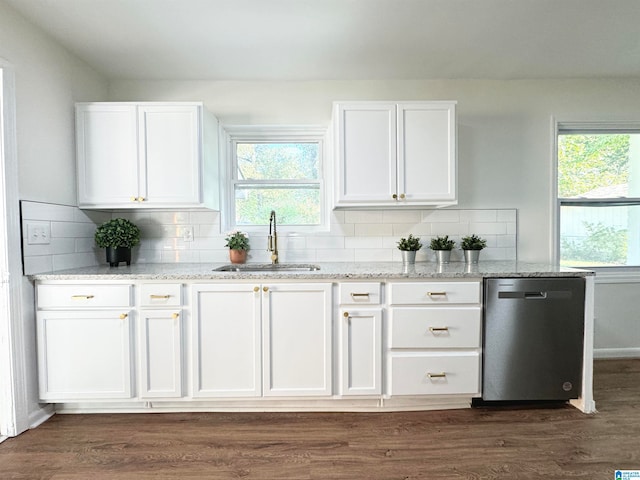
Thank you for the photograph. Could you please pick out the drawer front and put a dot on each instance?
(83, 296)
(437, 327)
(434, 293)
(161, 295)
(429, 374)
(360, 293)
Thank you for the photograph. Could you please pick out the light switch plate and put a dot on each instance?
(38, 233)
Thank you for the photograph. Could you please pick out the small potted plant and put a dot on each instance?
(442, 245)
(238, 244)
(408, 247)
(471, 245)
(117, 236)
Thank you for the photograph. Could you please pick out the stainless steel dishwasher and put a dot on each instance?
(533, 338)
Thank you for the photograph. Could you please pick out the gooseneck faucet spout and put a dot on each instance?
(273, 238)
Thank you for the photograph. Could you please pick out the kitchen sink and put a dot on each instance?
(268, 267)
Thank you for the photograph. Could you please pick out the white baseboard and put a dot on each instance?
(41, 415)
(616, 353)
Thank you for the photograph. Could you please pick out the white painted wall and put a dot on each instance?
(48, 80)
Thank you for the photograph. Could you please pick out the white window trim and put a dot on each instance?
(558, 126)
(273, 133)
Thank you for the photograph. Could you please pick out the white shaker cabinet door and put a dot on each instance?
(226, 340)
(107, 150)
(296, 339)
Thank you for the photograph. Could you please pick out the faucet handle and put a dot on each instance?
(274, 257)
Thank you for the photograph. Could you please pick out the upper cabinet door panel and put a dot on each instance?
(366, 139)
(426, 151)
(170, 140)
(107, 154)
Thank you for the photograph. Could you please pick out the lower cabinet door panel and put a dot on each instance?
(435, 374)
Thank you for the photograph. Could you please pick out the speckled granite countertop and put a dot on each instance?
(328, 271)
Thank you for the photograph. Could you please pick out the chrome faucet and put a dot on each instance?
(273, 238)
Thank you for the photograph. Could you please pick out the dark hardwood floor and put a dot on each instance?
(479, 443)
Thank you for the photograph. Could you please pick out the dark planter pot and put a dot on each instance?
(115, 255)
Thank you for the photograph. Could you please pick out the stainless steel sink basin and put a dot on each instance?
(268, 267)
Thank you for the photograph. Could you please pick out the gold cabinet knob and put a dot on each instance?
(394, 196)
(265, 289)
(345, 314)
(402, 195)
(134, 199)
(141, 199)
(123, 316)
(256, 289)
(175, 316)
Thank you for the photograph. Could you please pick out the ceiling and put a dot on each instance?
(345, 39)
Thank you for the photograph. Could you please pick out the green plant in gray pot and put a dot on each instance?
(408, 248)
(118, 236)
(442, 245)
(471, 245)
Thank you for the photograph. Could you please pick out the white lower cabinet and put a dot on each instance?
(84, 354)
(360, 351)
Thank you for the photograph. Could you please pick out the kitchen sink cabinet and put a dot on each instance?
(146, 155)
(395, 154)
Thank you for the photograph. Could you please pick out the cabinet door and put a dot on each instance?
(170, 155)
(366, 143)
(160, 346)
(84, 355)
(427, 152)
(107, 154)
(361, 351)
(226, 340)
(296, 339)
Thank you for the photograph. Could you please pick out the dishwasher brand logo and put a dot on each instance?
(627, 475)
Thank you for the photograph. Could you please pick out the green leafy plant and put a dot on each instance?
(118, 232)
(473, 242)
(442, 243)
(237, 240)
(409, 244)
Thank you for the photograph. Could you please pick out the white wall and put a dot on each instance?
(504, 127)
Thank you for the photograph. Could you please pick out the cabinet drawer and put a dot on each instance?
(434, 293)
(83, 296)
(429, 374)
(360, 293)
(161, 295)
(448, 327)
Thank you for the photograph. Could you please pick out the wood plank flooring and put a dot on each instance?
(479, 443)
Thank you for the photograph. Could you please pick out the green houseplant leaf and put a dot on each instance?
(118, 232)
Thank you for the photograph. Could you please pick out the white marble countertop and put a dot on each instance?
(327, 271)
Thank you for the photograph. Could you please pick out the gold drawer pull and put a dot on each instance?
(123, 316)
(438, 329)
(160, 297)
(81, 297)
(437, 294)
(358, 295)
(437, 375)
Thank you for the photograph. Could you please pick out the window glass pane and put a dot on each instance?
(272, 161)
(295, 205)
(599, 165)
(599, 235)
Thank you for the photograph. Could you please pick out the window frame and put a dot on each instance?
(585, 128)
(235, 134)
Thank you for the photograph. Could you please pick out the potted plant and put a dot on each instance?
(471, 245)
(118, 236)
(238, 244)
(442, 245)
(408, 247)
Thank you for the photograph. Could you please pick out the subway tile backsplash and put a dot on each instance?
(194, 236)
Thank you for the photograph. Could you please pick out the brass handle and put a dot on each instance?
(160, 297)
(437, 375)
(402, 195)
(437, 294)
(345, 314)
(354, 295)
(394, 196)
(256, 289)
(265, 289)
(123, 316)
(438, 329)
(81, 297)
(175, 315)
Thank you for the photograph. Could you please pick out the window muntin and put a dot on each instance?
(277, 169)
(599, 198)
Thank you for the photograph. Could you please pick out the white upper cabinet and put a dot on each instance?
(393, 154)
(146, 155)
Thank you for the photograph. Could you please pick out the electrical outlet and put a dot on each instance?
(187, 233)
(38, 233)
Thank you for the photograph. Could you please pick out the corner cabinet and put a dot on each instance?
(395, 154)
(146, 155)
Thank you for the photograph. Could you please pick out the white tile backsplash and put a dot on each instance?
(355, 235)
